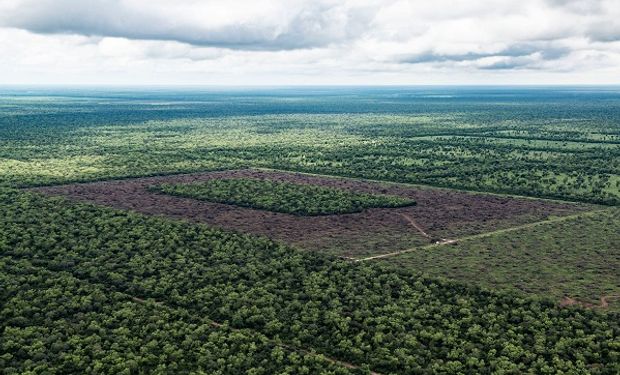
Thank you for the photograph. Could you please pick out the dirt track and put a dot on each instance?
(603, 302)
(416, 226)
(442, 213)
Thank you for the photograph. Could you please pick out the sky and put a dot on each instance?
(309, 42)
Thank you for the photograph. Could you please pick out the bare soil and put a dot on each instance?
(443, 213)
(603, 302)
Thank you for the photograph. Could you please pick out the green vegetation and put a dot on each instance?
(55, 323)
(556, 150)
(394, 322)
(577, 258)
(296, 199)
(85, 289)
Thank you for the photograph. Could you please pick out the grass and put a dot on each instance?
(577, 258)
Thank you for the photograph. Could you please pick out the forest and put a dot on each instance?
(539, 144)
(296, 199)
(391, 322)
(55, 323)
(520, 188)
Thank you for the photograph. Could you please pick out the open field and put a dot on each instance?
(438, 213)
(573, 261)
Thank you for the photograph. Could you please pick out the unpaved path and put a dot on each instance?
(486, 234)
(415, 225)
(603, 302)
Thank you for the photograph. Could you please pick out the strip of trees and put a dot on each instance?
(291, 198)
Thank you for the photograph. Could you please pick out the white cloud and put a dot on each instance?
(306, 41)
(247, 25)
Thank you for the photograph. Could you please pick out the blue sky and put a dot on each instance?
(277, 42)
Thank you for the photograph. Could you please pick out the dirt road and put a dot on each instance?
(483, 235)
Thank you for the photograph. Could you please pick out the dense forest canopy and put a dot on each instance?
(296, 199)
(55, 323)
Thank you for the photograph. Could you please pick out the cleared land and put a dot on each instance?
(438, 213)
(574, 261)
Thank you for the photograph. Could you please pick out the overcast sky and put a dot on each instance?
(283, 42)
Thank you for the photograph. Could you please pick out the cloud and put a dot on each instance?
(579, 6)
(310, 41)
(511, 63)
(516, 56)
(259, 25)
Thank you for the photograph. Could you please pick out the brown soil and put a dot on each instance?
(603, 302)
(442, 213)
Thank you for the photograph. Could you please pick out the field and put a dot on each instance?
(574, 261)
(438, 213)
(247, 231)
